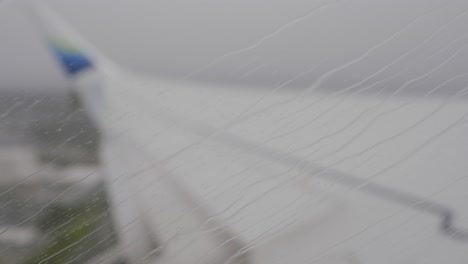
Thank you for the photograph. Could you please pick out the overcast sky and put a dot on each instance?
(266, 41)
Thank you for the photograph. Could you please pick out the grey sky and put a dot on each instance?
(175, 38)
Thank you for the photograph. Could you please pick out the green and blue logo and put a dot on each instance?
(72, 59)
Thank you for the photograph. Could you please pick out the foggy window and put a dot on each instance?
(259, 131)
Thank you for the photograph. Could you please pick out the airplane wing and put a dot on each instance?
(219, 173)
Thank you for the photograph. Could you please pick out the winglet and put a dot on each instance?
(83, 64)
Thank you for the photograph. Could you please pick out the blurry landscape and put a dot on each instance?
(53, 207)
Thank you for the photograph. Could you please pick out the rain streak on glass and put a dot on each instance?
(196, 132)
